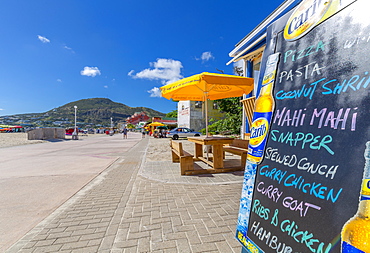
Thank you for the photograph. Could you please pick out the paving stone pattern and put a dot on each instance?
(125, 210)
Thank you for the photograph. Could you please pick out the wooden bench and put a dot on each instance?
(180, 155)
(238, 147)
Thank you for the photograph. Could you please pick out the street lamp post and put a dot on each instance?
(75, 133)
(111, 126)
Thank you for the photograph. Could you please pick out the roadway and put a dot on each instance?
(36, 179)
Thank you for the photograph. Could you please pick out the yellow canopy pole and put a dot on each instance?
(206, 108)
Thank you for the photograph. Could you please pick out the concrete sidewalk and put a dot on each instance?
(143, 206)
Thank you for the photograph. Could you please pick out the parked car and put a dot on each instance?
(182, 132)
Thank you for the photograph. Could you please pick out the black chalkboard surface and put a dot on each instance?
(308, 184)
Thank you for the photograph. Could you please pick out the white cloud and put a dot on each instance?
(90, 71)
(131, 73)
(165, 70)
(238, 64)
(2, 109)
(155, 92)
(59, 80)
(69, 49)
(206, 56)
(43, 39)
(106, 86)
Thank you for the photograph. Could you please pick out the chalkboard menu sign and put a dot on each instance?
(308, 184)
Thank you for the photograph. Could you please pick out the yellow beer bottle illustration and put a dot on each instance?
(356, 231)
(263, 110)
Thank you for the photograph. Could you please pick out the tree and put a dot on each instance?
(238, 70)
(172, 114)
(232, 122)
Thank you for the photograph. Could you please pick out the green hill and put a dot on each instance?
(93, 111)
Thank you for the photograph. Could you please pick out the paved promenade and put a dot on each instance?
(137, 205)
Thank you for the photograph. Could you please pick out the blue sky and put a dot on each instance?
(56, 52)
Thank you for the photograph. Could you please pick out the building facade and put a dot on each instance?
(137, 117)
(191, 114)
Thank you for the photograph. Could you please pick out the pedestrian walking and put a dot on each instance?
(143, 134)
(125, 133)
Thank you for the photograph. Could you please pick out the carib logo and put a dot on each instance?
(259, 131)
(366, 187)
(307, 15)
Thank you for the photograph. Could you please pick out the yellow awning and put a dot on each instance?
(156, 124)
(208, 86)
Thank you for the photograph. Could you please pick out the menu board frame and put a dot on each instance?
(308, 184)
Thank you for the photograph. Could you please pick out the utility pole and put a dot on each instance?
(75, 132)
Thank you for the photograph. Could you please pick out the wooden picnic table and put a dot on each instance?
(217, 143)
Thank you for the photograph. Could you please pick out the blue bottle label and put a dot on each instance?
(348, 248)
